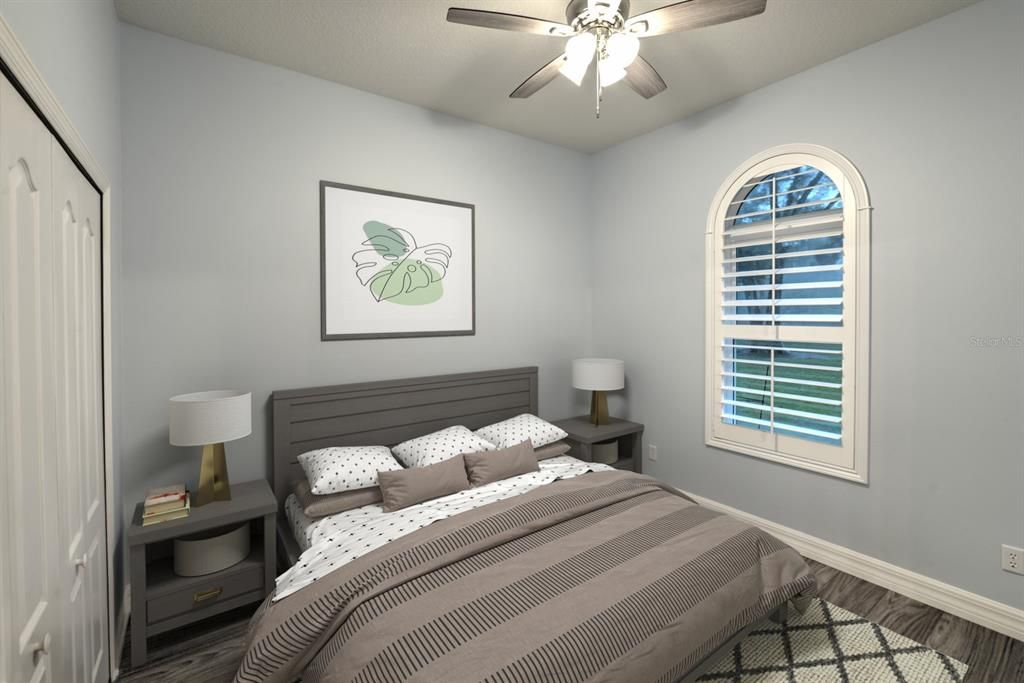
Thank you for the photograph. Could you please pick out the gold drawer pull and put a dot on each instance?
(207, 595)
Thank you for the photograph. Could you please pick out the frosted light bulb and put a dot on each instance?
(610, 73)
(579, 52)
(580, 48)
(575, 71)
(622, 49)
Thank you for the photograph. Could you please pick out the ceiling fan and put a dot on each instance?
(603, 29)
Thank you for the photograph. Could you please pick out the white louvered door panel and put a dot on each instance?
(31, 547)
(76, 213)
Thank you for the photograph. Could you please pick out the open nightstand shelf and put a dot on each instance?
(583, 435)
(163, 601)
(161, 579)
(625, 464)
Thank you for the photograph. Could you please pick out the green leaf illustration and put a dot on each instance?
(391, 243)
(388, 245)
(395, 267)
(421, 268)
(438, 256)
(369, 265)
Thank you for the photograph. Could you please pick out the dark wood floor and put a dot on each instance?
(210, 652)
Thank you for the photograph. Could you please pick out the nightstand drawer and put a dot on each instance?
(205, 594)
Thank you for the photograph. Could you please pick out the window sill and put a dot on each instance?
(853, 475)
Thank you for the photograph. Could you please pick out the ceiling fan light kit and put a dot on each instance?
(603, 31)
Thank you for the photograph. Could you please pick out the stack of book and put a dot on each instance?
(164, 504)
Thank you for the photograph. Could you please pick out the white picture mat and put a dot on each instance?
(349, 306)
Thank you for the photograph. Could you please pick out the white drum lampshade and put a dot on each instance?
(598, 375)
(208, 419)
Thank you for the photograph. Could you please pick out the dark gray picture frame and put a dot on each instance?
(324, 336)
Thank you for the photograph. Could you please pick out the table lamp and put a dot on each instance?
(208, 419)
(598, 375)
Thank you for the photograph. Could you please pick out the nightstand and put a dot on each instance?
(583, 435)
(163, 601)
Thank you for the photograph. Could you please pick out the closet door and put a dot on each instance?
(31, 542)
(82, 655)
(53, 574)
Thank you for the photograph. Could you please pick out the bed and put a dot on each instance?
(606, 575)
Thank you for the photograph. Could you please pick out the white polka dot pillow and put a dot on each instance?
(438, 446)
(346, 468)
(520, 428)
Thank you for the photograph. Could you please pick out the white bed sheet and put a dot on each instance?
(303, 528)
(330, 542)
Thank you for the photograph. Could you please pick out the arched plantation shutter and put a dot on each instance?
(782, 307)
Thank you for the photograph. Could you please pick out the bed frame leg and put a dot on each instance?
(780, 615)
(800, 603)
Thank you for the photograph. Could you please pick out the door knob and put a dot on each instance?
(82, 561)
(39, 650)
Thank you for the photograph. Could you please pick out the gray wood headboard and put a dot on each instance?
(389, 412)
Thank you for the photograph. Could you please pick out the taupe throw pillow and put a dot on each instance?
(332, 503)
(503, 463)
(403, 488)
(552, 450)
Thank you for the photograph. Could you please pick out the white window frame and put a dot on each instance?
(849, 461)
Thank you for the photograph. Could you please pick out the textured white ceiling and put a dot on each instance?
(404, 49)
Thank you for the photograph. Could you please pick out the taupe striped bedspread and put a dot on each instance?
(610, 576)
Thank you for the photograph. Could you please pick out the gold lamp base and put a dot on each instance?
(599, 408)
(213, 476)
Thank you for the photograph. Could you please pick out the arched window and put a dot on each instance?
(787, 315)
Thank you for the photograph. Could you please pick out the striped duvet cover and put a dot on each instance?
(611, 576)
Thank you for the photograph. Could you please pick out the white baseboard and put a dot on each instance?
(958, 602)
(121, 629)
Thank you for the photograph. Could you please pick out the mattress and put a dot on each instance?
(303, 528)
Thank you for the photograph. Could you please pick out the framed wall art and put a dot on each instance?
(394, 265)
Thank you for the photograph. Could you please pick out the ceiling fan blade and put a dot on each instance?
(689, 14)
(642, 77)
(540, 78)
(507, 22)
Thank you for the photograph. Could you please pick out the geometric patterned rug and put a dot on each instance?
(828, 644)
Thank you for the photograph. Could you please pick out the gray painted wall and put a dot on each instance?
(76, 46)
(221, 282)
(933, 120)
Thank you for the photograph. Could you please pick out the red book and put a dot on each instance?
(166, 494)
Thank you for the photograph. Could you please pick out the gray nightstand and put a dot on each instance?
(583, 434)
(163, 601)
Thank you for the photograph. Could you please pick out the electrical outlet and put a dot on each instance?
(652, 452)
(1013, 559)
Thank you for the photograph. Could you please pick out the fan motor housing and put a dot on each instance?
(578, 7)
